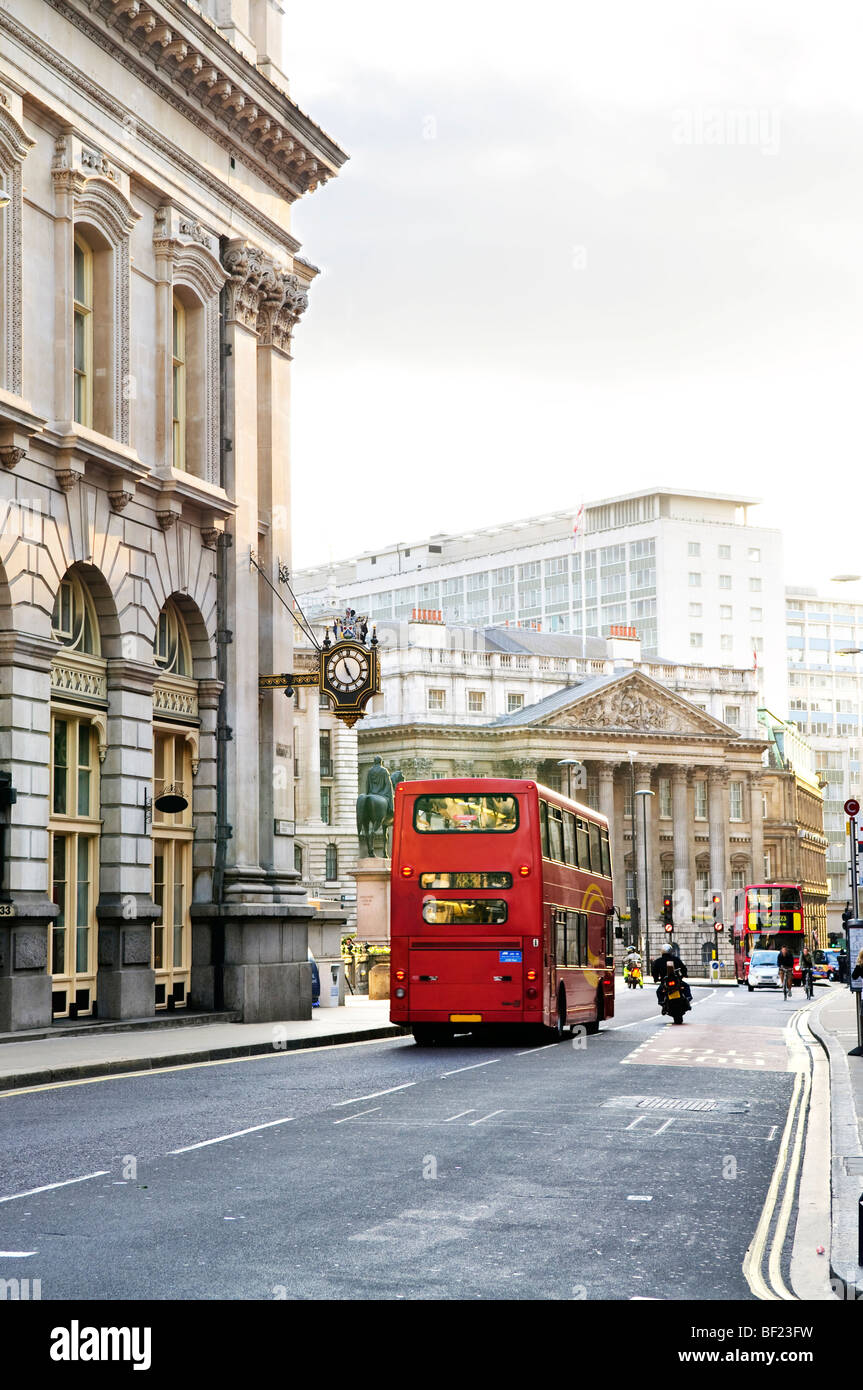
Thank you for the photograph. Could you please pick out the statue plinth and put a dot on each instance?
(372, 877)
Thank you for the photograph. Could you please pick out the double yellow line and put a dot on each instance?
(784, 1180)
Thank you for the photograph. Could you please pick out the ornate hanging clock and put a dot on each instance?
(348, 673)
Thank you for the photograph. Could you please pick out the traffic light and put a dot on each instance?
(667, 914)
(717, 912)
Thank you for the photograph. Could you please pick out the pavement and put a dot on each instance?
(833, 1022)
(75, 1053)
(100, 1050)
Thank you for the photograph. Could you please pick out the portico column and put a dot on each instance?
(682, 848)
(756, 828)
(644, 822)
(717, 781)
(605, 774)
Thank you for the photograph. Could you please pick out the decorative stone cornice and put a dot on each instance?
(120, 500)
(190, 65)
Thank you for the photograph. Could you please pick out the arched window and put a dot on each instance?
(73, 621)
(83, 333)
(171, 648)
(178, 373)
(332, 863)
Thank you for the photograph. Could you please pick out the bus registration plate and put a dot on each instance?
(465, 1018)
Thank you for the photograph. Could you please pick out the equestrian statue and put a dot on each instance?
(375, 805)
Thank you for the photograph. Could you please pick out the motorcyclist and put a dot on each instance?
(660, 968)
(632, 968)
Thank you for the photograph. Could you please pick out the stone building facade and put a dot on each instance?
(630, 725)
(151, 288)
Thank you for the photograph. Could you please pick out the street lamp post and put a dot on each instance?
(644, 793)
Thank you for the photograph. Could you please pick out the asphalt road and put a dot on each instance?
(630, 1164)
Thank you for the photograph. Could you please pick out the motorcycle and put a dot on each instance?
(633, 977)
(672, 995)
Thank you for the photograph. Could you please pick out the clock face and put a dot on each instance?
(347, 670)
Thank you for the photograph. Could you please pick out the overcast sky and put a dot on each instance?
(577, 250)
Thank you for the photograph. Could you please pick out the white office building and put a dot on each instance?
(824, 637)
(688, 570)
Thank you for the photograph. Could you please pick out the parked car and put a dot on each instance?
(763, 971)
(826, 964)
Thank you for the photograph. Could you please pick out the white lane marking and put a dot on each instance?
(636, 1122)
(538, 1049)
(472, 1111)
(205, 1143)
(49, 1187)
(650, 1019)
(17, 1254)
(356, 1115)
(374, 1095)
(772, 1134)
(639, 1198)
(487, 1117)
(472, 1067)
(663, 1127)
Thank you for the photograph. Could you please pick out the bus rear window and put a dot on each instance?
(443, 814)
(466, 879)
(467, 912)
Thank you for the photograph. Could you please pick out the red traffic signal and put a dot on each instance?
(667, 914)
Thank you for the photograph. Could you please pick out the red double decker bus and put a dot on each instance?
(767, 916)
(501, 908)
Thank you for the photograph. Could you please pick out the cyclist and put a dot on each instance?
(806, 964)
(785, 961)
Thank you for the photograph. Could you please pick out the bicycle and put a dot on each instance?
(787, 981)
(808, 984)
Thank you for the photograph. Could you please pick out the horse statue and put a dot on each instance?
(375, 805)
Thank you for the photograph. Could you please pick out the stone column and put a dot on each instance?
(66, 184)
(682, 846)
(244, 877)
(25, 753)
(649, 891)
(310, 767)
(204, 792)
(274, 324)
(126, 912)
(756, 827)
(717, 781)
(605, 774)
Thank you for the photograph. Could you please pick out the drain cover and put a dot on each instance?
(676, 1103)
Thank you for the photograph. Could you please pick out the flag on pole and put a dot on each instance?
(576, 525)
(755, 661)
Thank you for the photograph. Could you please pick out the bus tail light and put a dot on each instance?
(407, 871)
(531, 974)
(524, 870)
(530, 993)
(400, 974)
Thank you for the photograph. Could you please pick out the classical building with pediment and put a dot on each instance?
(455, 705)
(150, 292)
